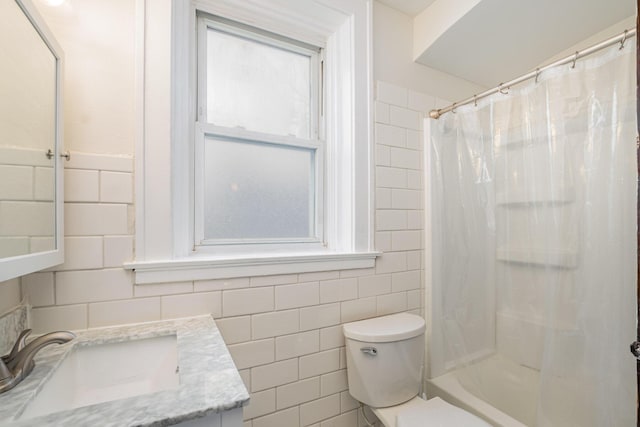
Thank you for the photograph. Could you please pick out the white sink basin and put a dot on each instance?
(105, 372)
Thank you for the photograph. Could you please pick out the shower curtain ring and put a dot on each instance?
(475, 100)
(624, 39)
(503, 91)
(575, 58)
(453, 108)
(537, 74)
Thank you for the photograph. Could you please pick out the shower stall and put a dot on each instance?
(531, 247)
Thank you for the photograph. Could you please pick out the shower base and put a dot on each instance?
(511, 389)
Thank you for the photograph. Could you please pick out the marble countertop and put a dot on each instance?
(209, 380)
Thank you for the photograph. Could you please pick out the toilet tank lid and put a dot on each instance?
(395, 327)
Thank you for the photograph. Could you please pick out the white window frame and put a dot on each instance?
(205, 129)
(165, 150)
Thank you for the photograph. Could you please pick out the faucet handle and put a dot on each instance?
(19, 345)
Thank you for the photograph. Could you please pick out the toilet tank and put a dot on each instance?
(384, 358)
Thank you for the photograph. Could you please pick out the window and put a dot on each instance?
(259, 163)
(259, 157)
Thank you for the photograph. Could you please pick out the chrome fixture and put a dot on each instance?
(15, 366)
(571, 59)
(635, 349)
(371, 351)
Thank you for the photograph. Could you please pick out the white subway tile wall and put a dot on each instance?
(26, 202)
(16, 182)
(116, 187)
(284, 332)
(40, 287)
(81, 185)
(275, 374)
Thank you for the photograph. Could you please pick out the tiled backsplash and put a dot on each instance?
(11, 324)
(284, 332)
(10, 295)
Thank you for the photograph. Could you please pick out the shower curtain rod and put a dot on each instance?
(620, 38)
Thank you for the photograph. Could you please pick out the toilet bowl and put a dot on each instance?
(385, 356)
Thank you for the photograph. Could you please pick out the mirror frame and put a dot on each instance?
(12, 267)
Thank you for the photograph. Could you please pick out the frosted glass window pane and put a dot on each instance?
(258, 191)
(257, 87)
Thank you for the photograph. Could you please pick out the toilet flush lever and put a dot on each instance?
(371, 351)
(635, 349)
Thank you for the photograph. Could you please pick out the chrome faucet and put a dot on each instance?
(15, 366)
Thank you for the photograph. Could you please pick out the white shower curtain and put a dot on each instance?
(534, 196)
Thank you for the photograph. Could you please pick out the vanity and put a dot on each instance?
(149, 374)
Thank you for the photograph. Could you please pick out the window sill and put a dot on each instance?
(180, 270)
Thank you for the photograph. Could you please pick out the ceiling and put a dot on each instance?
(492, 41)
(408, 7)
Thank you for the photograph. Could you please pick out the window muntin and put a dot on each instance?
(259, 164)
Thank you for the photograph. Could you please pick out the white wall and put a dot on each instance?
(611, 31)
(393, 59)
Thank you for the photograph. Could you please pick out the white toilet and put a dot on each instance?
(384, 370)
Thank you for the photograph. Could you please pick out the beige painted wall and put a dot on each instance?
(98, 39)
(27, 86)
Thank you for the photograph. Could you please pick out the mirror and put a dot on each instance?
(30, 142)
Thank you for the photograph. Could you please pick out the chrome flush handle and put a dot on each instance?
(635, 349)
(371, 351)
